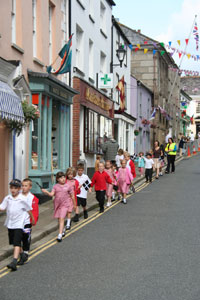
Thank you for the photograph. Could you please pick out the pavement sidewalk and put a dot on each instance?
(46, 223)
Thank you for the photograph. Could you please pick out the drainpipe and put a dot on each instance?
(70, 32)
(14, 150)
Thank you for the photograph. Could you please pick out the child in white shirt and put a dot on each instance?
(84, 184)
(16, 206)
(148, 167)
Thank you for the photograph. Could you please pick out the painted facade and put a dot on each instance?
(141, 104)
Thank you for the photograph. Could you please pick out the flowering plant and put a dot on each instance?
(136, 132)
(31, 112)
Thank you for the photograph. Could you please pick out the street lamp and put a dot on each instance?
(120, 52)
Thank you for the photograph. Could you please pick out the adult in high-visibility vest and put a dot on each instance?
(170, 149)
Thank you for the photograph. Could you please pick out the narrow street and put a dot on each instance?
(147, 249)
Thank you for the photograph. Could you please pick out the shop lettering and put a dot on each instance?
(99, 101)
(59, 93)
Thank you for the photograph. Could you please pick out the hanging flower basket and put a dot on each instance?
(145, 122)
(31, 112)
(153, 125)
(136, 132)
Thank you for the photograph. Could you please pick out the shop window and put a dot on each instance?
(49, 135)
(97, 128)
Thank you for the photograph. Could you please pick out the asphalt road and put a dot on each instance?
(145, 250)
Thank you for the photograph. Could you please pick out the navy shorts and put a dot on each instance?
(15, 237)
(81, 201)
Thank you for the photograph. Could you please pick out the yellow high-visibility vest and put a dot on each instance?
(171, 148)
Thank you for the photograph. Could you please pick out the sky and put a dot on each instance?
(164, 21)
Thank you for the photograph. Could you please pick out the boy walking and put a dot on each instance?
(148, 167)
(16, 207)
(33, 202)
(99, 180)
(84, 184)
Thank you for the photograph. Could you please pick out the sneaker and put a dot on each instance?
(101, 210)
(76, 218)
(68, 227)
(63, 233)
(85, 214)
(108, 204)
(161, 174)
(124, 201)
(156, 177)
(59, 238)
(12, 266)
(147, 181)
(118, 198)
(23, 259)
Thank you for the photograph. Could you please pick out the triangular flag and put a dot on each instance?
(138, 45)
(145, 42)
(188, 55)
(179, 42)
(130, 46)
(136, 49)
(145, 51)
(162, 44)
(179, 55)
(154, 51)
(170, 43)
(186, 40)
(121, 88)
(162, 52)
(197, 57)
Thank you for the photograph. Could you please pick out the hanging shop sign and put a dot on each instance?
(105, 81)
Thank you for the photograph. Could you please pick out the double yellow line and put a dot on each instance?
(35, 252)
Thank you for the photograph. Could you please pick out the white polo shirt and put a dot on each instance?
(148, 163)
(16, 209)
(82, 179)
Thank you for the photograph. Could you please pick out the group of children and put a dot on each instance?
(111, 179)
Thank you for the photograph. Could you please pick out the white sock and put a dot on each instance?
(68, 222)
(59, 236)
(113, 195)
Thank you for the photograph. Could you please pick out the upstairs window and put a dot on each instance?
(34, 3)
(103, 17)
(79, 47)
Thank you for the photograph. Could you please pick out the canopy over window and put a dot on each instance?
(10, 104)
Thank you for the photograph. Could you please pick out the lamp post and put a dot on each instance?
(120, 53)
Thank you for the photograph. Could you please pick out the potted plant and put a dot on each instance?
(31, 112)
(136, 132)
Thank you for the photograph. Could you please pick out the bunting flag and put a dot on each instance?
(179, 42)
(162, 44)
(188, 55)
(170, 43)
(121, 88)
(186, 40)
(196, 35)
(154, 51)
(162, 53)
(145, 51)
(136, 49)
(179, 55)
(138, 45)
(152, 117)
(66, 55)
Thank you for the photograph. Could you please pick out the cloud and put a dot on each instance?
(180, 27)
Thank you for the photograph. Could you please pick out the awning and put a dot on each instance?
(10, 104)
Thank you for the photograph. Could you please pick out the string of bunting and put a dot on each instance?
(162, 52)
(187, 72)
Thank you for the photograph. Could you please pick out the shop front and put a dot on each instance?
(49, 139)
(93, 116)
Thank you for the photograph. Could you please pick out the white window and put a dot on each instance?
(13, 14)
(103, 17)
(91, 59)
(34, 3)
(91, 7)
(198, 108)
(64, 22)
(102, 63)
(50, 33)
(79, 47)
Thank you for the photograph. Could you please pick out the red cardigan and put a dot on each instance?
(99, 180)
(132, 165)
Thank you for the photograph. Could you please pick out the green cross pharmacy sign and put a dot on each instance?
(105, 81)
